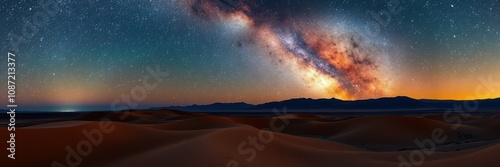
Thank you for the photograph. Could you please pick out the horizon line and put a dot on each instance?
(78, 108)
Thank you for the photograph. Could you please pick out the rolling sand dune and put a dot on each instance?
(171, 138)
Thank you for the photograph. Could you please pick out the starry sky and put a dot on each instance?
(94, 51)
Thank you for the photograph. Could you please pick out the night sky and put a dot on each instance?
(91, 52)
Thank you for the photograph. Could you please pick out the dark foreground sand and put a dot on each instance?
(176, 139)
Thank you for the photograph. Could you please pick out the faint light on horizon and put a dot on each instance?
(67, 110)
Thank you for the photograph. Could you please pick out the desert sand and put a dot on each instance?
(177, 139)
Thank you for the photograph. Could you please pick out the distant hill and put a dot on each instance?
(381, 104)
(302, 103)
(211, 107)
(482, 104)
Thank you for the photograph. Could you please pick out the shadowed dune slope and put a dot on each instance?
(159, 138)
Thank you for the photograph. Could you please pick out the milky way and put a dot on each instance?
(340, 62)
(253, 51)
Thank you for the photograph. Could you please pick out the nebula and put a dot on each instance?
(340, 62)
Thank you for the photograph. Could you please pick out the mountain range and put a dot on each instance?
(381, 104)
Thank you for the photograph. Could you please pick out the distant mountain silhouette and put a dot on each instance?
(481, 104)
(384, 104)
(301, 103)
(212, 107)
